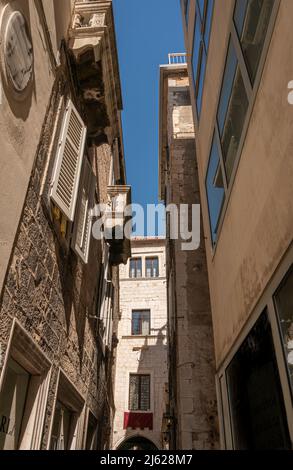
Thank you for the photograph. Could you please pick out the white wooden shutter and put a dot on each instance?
(83, 218)
(69, 160)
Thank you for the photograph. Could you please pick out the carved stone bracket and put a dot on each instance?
(93, 47)
(88, 26)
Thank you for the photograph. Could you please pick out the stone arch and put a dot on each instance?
(134, 440)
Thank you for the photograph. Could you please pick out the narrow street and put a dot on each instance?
(146, 227)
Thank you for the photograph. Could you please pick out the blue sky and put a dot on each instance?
(147, 30)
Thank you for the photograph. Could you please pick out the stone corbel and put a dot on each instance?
(79, 45)
(88, 28)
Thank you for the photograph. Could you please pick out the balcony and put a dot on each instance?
(117, 224)
(179, 58)
(93, 49)
(88, 27)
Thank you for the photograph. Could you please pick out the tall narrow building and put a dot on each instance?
(61, 155)
(240, 74)
(193, 409)
(141, 380)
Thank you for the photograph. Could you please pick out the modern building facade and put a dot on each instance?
(239, 64)
(141, 378)
(192, 406)
(61, 155)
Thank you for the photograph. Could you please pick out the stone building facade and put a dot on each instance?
(141, 378)
(239, 65)
(61, 151)
(193, 408)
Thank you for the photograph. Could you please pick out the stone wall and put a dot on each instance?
(192, 344)
(142, 354)
(53, 295)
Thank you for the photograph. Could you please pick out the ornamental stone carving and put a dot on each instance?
(18, 52)
(78, 21)
(97, 20)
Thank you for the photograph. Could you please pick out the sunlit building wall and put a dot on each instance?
(239, 63)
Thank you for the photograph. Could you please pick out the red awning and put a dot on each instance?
(138, 420)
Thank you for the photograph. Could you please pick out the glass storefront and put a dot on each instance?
(258, 418)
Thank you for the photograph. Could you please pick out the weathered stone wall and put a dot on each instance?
(193, 357)
(52, 294)
(21, 120)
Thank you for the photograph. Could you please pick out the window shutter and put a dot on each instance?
(68, 164)
(83, 219)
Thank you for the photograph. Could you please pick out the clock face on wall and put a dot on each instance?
(18, 52)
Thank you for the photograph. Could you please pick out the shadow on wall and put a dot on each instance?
(62, 13)
(148, 357)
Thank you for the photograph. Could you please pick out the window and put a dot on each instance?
(72, 186)
(251, 19)
(135, 267)
(255, 396)
(232, 110)
(152, 267)
(246, 46)
(139, 392)
(23, 394)
(140, 324)
(91, 435)
(284, 305)
(61, 427)
(215, 189)
(13, 400)
(203, 21)
(186, 10)
(83, 220)
(67, 428)
(68, 162)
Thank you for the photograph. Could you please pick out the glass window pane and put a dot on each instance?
(227, 85)
(132, 268)
(145, 328)
(215, 189)
(140, 322)
(234, 123)
(145, 392)
(255, 396)
(203, 61)
(239, 15)
(187, 2)
(196, 48)
(61, 428)
(201, 5)
(136, 324)
(156, 267)
(134, 392)
(284, 306)
(148, 265)
(152, 267)
(135, 267)
(208, 23)
(252, 18)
